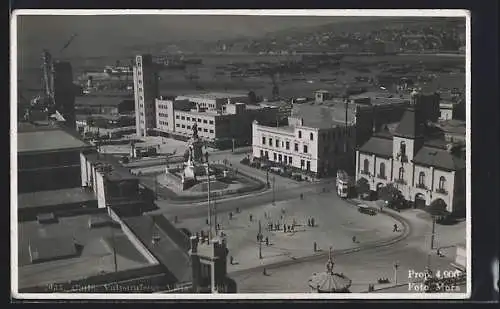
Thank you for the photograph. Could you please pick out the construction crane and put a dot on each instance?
(45, 101)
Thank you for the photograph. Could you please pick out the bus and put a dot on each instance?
(343, 184)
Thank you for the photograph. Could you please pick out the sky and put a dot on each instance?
(105, 35)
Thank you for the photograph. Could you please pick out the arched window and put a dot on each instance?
(442, 183)
(401, 173)
(366, 165)
(382, 170)
(421, 179)
(402, 149)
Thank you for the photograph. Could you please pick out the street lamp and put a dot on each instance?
(259, 240)
(274, 190)
(396, 266)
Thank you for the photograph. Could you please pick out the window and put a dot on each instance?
(366, 166)
(263, 140)
(183, 126)
(442, 183)
(305, 149)
(199, 129)
(296, 147)
(204, 121)
(301, 163)
(177, 125)
(401, 173)
(211, 131)
(261, 153)
(311, 136)
(290, 160)
(199, 120)
(308, 167)
(274, 156)
(270, 141)
(382, 170)
(300, 134)
(285, 159)
(287, 145)
(188, 118)
(402, 149)
(211, 122)
(277, 143)
(267, 155)
(189, 127)
(421, 179)
(280, 158)
(141, 98)
(183, 118)
(176, 116)
(205, 130)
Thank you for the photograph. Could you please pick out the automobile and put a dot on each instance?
(362, 208)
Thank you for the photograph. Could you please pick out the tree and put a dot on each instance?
(362, 186)
(390, 194)
(437, 208)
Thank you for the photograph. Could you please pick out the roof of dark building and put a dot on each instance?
(117, 173)
(410, 126)
(54, 197)
(101, 100)
(47, 137)
(177, 260)
(378, 145)
(438, 157)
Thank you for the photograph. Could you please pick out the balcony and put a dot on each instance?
(421, 186)
(366, 173)
(441, 191)
(381, 176)
(402, 157)
(400, 181)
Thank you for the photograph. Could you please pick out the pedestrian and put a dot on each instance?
(230, 216)
(315, 246)
(312, 222)
(267, 241)
(206, 221)
(250, 217)
(264, 272)
(301, 196)
(231, 260)
(308, 222)
(395, 229)
(237, 210)
(354, 239)
(218, 226)
(176, 219)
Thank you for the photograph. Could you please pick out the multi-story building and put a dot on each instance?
(218, 127)
(65, 92)
(146, 90)
(214, 100)
(423, 169)
(316, 140)
(48, 157)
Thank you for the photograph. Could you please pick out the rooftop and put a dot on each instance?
(56, 242)
(176, 259)
(46, 138)
(117, 173)
(322, 117)
(54, 197)
(378, 145)
(410, 126)
(101, 100)
(438, 157)
(215, 95)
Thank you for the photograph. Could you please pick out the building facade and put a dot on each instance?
(232, 121)
(146, 90)
(422, 170)
(317, 150)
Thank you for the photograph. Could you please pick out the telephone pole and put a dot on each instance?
(433, 233)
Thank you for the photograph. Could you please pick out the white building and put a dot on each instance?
(214, 100)
(316, 140)
(146, 90)
(423, 170)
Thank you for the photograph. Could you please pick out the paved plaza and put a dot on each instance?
(336, 223)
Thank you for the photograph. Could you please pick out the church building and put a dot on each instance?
(422, 167)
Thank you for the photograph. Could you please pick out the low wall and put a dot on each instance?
(133, 239)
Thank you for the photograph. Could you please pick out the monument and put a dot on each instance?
(193, 167)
